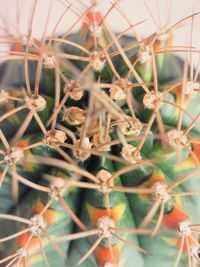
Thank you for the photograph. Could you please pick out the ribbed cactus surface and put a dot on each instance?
(99, 147)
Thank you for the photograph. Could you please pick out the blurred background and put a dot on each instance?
(15, 15)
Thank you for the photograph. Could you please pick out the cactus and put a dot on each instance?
(99, 146)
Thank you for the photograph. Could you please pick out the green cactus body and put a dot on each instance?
(99, 151)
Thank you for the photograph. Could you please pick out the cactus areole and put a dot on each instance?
(99, 146)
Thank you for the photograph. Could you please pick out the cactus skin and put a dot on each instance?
(99, 152)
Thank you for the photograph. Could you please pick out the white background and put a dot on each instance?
(16, 13)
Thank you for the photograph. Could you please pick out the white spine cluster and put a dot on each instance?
(97, 62)
(174, 138)
(161, 191)
(57, 188)
(131, 126)
(128, 153)
(38, 102)
(81, 153)
(55, 137)
(37, 222)
(74, 115)
(49, 61)
(191, 88)
(21, 253)
(117, 92)
(74, 88)
(144, 55)
(152, 99)
(96, 139)
(105, 224)
(184, 228)
(15, 154)
(105, 182)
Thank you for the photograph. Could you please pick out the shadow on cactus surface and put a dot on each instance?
(99, 146)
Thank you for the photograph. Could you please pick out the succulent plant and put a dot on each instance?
(99, 146)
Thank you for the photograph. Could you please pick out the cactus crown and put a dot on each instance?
(99, 146)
